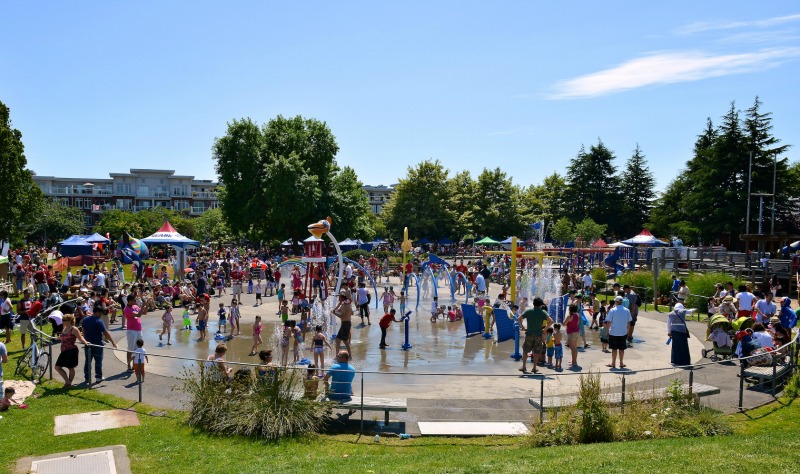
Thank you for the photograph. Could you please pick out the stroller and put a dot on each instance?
(718, 323)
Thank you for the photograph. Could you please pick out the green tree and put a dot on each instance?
(116, 221)
(21, 198)
(498, 202)
(351, 206)
(637, 193)
(563, 231)
(211, 226)
(589, 230)
(420, 202)
(547, 201)
(462, 190)
(56, 221)
(593, 187)
(281, 177)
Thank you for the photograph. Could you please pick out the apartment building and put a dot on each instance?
(378, 196)
(139, 189)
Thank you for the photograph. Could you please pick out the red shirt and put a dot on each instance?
(35, 308)
(386, 320)
(39, 277)
(237, 276)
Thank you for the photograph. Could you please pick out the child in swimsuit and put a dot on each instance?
(222, 327)
(187, 321)
(318, 342)
(256, 336)
(310, 383)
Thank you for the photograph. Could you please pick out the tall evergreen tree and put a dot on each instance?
(594, 190)
(637, 193)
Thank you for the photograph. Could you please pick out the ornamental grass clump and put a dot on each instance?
(268, 408)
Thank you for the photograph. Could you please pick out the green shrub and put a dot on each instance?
(599, 276)
(792, 388)
(596, 424)
(266, 408)
(355, 254)
(703, 284)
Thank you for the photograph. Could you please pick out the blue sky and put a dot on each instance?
(99, 87)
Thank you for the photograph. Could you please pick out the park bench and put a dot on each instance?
(385, 405)
(615, 398)
(766, 373)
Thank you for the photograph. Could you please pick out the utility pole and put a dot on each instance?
(749, 184)
(774, 184)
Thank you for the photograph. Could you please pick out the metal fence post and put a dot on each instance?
(541, 400)
(622, 404)
(774, 370)
(362, 402)
(50, 355)
(140, 390)
(691, 380)
(741, 386)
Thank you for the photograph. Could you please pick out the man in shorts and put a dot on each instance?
(534, 320)
(633, 307)
(344, 311)
(619, 319)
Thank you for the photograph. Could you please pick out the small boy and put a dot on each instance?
(202, 321)
(139, 358)
(559, 349)
(451, 315)
(384, 324)
(281, 297)
(402, 302)
(550, 344)
(8, 398)
(258, 293)
(187, 321)
(604, 335)
(435, 309)
(222, 327)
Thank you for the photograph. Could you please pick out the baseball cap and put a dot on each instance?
(618, 299)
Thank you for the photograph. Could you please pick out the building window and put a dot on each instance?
(87, 219)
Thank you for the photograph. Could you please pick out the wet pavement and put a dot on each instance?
(442, 363)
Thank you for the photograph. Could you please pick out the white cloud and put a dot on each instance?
(703, 26)
(668, 68)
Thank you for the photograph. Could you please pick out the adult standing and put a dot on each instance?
(23, 306)
(633, 307)
(339, 379)
(362, 300)
(96, 332)
(744, 302)
(683, 292)
(5, 314)
(236, 282)
(533, 320)
(133, 323)
(344, 311)
(480, 285)
(68, 358)
(679, 332)
(619, 319)
(3, 360)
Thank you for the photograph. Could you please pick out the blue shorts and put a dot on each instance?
(551, 351)
(559, 352)
(201, 325)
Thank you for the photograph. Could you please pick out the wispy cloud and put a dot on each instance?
(703, 26)
(668, 68)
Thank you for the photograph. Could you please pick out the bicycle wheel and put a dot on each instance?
(23, 366)
(41, 367)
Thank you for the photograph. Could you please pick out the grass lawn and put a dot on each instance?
(765, 441)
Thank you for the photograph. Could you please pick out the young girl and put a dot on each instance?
(234, 318)
(139, 358)
(281, 297)
(287, 334)
(310, 383)
(249, 284)
(187, 321)
(256, 336)
(258, 293)
(559, 349)
(318, 343)
(402, 302)
(435, 309)
(550, 345)
(284, 311)
(388, 300)
(267, 367)
(297, 341)
(295, 302)
(220, 287)
(166, 326)
(222, 327)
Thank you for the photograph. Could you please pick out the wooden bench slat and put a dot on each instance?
(615, 398)
(765, 371)
(375, 403)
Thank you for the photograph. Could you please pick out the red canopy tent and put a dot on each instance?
(599, 244)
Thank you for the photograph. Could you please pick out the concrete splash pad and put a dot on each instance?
(443, 362)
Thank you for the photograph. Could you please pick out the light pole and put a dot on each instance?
(761, 197)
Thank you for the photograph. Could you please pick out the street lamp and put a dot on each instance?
(761, 197)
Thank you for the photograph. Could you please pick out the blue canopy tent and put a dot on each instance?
(445, 241)
(75, 246)
(349, 244)
(95, 239)
(424, 240)
(379, 241)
